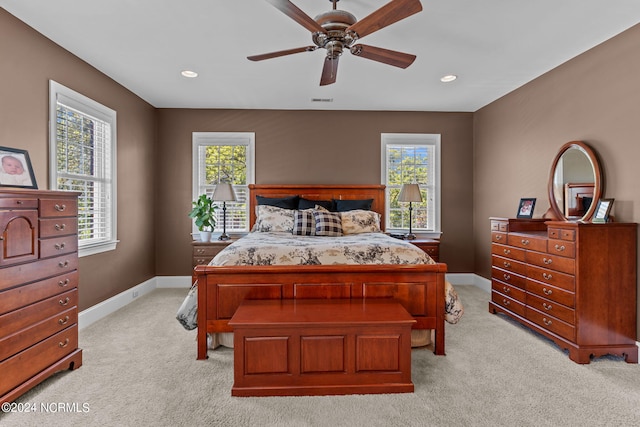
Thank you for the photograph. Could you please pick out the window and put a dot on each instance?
(82, 141)
(225, 157)
(412, 158)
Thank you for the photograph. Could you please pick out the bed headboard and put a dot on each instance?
(319, 192)
(577, 199)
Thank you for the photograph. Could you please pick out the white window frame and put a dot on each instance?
(200, 139)
(415, 139)
(84, 105)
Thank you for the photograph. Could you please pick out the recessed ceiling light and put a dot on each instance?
(189, 74)
(448, 78)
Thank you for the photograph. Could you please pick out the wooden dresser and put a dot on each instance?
(38, 288)
(573, 282)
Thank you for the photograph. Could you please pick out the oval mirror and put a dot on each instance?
(575, 183)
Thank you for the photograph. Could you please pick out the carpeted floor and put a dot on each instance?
(140, 370)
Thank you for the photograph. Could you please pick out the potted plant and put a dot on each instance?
(204, 213)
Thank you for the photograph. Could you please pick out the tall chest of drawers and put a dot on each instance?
(38, 288)
(572, 282)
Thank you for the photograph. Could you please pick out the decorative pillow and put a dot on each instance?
(281, 202)
(273, 218)
(350, 205)
(310, 204)
(327, 223)
(360, 221)
(304, 223)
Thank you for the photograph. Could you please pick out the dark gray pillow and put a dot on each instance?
(280, 202)
(351, 205)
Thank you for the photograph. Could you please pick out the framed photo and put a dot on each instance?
(15, 169)
(525, 210)
(602, 210)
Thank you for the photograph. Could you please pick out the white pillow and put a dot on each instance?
(360, 221)
(274, 219)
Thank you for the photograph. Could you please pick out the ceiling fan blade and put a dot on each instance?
(386, 56)
(329, 71)
(281, 53)
(391, 12)
(293, 12)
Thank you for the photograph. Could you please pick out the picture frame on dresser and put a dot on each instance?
(16, 169)
(602, 210)
(525, 208)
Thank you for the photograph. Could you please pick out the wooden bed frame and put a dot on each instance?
(419, 288)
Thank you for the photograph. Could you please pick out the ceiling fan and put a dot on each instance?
(338, 30)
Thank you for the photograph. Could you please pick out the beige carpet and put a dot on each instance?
(140, 370)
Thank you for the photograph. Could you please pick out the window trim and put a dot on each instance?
(221, 138)
(418, 139)
(93, 108)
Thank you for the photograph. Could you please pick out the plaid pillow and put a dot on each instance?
(304, 223)
(327, 223)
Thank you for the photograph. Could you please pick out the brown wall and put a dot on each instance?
(311, 147)
(594, 97)
(27, 62)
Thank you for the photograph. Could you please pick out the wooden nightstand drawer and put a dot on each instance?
(430, 246)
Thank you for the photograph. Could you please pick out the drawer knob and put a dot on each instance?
(507, 277)
(63, 283)
(547, 276)
(63, 264)
(60, 227)
(63, 344)
(547, 306)
(547, 261)
(59, 246)
(505, 301)
(506, 290)
(507, 251)
(547, 291)
(507, 264)
(546, 322)
(63, 321)
(498, 237)
(65, 302)
(60, 208)
(560, 248)
(525, 242)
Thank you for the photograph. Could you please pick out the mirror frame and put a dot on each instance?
(598, 187)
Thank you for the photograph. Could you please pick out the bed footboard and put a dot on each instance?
(419, 288)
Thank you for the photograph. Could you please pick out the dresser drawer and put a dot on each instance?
(509, 291)
(15, 321)
(551, 277)
(552, 308)
(553, 262)
(36, 332)
(562, 234)
(508, 264)
(14, 275)
(551, 324)
(58, 246)
(508, 251)
(508, 277)
(552, 293)
(530, 242)
(26, 364)
(508, 303)
(562, 248)
(498, 237)
(58, 207)
(23, 296)
(54, 227)
(206, 251)
(18, 203)
(499, 226)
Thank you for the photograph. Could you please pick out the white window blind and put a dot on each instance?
(83, 151)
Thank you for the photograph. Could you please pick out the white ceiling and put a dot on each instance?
(494, 46)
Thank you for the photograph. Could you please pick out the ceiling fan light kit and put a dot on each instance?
(338, 30)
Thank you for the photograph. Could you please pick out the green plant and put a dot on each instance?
(204, 212)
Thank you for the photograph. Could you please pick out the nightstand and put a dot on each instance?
(430, 246)
(203, 252)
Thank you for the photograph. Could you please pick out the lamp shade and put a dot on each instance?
(224, 193)
(410, 193)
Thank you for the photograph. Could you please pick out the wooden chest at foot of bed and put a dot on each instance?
(321, 347)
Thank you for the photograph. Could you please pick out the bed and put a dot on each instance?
(420, 287)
